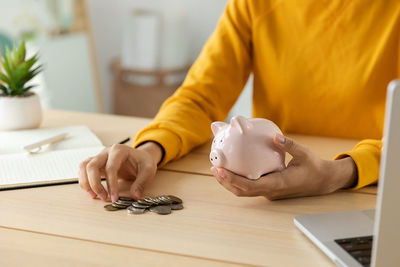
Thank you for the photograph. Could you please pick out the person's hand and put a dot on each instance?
(119, 162)
(305, 175)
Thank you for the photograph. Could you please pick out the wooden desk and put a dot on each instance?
(62, 225)
(111, 129)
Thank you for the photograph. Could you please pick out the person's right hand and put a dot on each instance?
(119, 162)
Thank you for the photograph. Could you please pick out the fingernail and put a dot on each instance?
(281, 139)
(114, 197)
(103, 196)
(91, 193)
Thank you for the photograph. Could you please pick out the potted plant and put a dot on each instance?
(19, 107)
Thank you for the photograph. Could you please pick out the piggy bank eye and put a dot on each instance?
(220, 140)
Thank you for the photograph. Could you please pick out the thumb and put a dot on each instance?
(288, 145)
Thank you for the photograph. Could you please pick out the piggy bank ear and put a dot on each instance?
(217, 126)
(241, 123)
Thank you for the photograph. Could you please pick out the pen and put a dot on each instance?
(36, 147)
(125, 141)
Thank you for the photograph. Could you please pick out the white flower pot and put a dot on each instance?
(20, 112)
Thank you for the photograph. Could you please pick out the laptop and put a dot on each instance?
(366, 237)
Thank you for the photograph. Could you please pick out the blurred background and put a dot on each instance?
(120, 57)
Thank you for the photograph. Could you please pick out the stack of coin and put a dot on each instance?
(161, 204)
(121, 203)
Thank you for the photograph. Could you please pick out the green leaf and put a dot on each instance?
(28, 77)
(30, 62)
(18, 71)
(26, 89)
(32, 73)
(36, 71)
(7, 65)
(20, 53)
(15, 56)
(9, 58)
(21, 71)
(3, 89)
(4, 78)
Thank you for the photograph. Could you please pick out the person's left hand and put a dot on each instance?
(305, 175)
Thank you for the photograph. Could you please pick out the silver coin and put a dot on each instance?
(140, 206)
(144, 202)
(150, 200)
(176, 206)
(162, 210)
(175, 200)
(119, 206)
(165, 200)
(126, 199)
(162, 200)
(157, 200)
(110, 207)
(133, 210)
(123, 202)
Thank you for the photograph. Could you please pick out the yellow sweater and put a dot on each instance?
(320, 67)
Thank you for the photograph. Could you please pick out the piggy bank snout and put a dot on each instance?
(217, 158)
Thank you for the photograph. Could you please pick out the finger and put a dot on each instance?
(288, 145)
(238, 181)
(114, 162)
(83, 179)
(93, 172)
(146, 172)
(233, 189)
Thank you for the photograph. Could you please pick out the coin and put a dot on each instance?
(133, 210)
(165, 200)
(162, 210)
(119, 206)
(140, 206)
(126, 199)
(175, 200)
(110, 207)
(163, 204)
(144, 202)
(157, 200)
(176, 206)
(123, 202)
(151, 200)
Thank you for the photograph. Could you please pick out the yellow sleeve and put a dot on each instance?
(366, 155)
(210, 89)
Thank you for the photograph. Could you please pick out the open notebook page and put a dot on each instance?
(78, 137)
(58, 162)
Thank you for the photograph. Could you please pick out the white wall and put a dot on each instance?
(107, 16)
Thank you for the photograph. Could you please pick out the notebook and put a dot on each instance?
(55, 164)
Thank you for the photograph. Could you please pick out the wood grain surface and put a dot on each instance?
(62, 225)
(19, 247)
(214, 224)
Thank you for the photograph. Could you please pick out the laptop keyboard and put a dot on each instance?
(358, 247)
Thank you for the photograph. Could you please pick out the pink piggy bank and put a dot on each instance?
(245, 147)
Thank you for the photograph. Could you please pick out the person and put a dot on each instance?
(320, 68)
